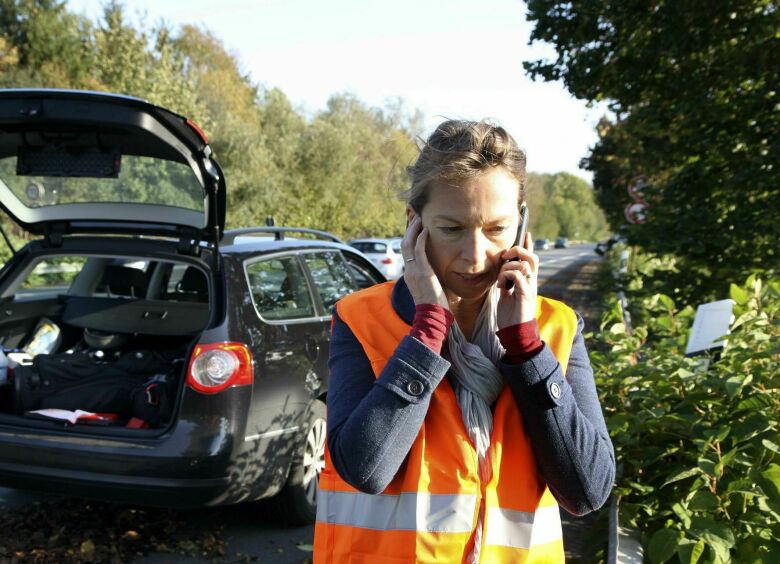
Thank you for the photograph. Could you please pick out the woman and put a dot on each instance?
(461, 407)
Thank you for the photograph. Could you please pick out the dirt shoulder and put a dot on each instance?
(577, 285)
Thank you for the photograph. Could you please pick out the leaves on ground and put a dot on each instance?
(73, 530)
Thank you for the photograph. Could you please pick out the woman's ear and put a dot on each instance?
(410, 213)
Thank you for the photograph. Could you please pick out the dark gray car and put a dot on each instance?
(125, 205)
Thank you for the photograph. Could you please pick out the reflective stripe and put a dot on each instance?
(518, 529)
(422, 512)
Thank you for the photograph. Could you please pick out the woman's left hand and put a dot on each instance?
(521, 266)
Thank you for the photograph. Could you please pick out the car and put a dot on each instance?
(603, 247)
(561, 243)
(384, 253)
(152, 357)
(541, 245)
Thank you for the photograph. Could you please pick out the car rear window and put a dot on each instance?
(50, 276)
(110, 277)
(141, 180)
(370, 247)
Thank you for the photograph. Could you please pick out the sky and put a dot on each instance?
(448, 58)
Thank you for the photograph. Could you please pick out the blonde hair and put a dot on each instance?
(458, 150)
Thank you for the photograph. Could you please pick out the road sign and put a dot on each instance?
(636, 212)
(637, 188)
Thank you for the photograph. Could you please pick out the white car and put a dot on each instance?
(384, 253)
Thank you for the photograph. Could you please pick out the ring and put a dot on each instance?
(410, 259)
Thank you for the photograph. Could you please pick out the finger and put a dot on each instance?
(518, 280)
(523, 268)
(521, 254)
(529, 242)
(419, 248)
(407, 243)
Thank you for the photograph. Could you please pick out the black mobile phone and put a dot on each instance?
(521, 231)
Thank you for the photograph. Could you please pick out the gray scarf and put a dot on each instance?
(477, 383)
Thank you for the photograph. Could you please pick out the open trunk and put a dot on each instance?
(105, 335)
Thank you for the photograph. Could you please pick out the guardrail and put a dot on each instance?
(623, 546)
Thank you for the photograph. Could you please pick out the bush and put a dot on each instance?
(697, 437)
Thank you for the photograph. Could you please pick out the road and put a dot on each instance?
(251, 532)
(553, 260)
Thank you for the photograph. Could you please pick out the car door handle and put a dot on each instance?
(312, 348)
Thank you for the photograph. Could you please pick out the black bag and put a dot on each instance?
(138, 384)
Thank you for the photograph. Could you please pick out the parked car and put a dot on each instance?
(541, 245)
(201, 356)
(561, 243)
(384, 253)
(602, 247)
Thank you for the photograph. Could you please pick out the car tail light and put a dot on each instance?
(387, 260)
(198, 130)
(216, 366)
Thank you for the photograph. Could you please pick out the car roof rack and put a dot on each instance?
(230, 235)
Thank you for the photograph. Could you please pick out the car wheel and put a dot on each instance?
(298, 498)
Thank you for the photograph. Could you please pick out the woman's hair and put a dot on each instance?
(459, 150)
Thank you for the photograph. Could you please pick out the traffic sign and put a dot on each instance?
(636, 212)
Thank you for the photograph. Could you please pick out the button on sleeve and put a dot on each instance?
(414, 371)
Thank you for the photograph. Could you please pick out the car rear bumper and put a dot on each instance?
(194, 463)
(142, 490)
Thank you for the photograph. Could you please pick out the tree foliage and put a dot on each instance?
(563, 205)
(697, 437)
(337, 169)
(692, 87)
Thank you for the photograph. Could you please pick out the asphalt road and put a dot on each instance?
(251, 531)
(553, 260)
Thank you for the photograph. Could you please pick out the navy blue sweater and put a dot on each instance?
(373, 422)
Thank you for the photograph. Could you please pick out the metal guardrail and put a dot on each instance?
(623, 546)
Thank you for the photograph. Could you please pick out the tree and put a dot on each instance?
(693, 91)
(564, 205)
(48, 44)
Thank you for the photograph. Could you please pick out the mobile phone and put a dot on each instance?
(520, 239)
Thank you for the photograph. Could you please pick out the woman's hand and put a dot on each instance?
(518, 304)
(418, 273)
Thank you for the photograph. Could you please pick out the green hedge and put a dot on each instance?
(697, 438)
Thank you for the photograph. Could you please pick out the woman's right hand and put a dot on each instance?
(419, 276)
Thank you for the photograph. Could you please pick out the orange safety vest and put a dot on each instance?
(429, 511)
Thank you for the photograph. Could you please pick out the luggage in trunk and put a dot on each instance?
(138, 384)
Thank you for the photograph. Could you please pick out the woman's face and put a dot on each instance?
(469, 227)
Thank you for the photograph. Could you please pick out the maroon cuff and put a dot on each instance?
(431, 324)
(521, 341)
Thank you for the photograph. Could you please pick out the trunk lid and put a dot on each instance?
(89, 162)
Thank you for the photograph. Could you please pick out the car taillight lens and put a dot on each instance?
(216, 366)
(198, 130)
(387, 260)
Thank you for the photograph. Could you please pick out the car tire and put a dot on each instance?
(298, 498)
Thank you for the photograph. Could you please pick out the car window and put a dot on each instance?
(279, 289)
(370, 247)
(396, 246)
(124, 278)
(50, 276)
(363, 275)
(331, 276)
